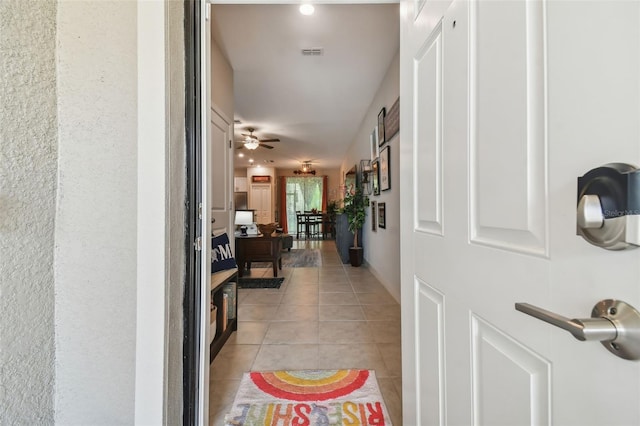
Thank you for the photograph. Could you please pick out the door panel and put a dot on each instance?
(220, 188)
(507, 120)
(503, 106)
(430, 344)
(506, 372)
(428, 159)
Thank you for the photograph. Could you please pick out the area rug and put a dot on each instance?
(309, 397)
(260, 282)
(296, 258)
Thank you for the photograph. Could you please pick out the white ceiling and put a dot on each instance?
(313, 104)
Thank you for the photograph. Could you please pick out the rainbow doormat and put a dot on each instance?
(309, 397)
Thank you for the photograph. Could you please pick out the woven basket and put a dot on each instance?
(267, 228)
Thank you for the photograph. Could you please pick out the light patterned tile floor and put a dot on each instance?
(329, 317)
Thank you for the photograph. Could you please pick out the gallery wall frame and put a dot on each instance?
(374, 215)
(381, 139)
(373, 139)
(382, 215)
(392, 121)
(385, 178)
(375, 177)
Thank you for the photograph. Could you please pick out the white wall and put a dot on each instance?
(96, 216)
(382, 247)
(28, 166)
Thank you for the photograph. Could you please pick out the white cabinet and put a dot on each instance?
(240, 184)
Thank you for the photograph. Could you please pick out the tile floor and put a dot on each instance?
(332, 316)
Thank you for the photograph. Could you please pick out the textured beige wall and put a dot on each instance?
(28, 167)
(72, 113)
(96, 216)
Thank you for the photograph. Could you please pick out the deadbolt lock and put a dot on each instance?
(608, 210)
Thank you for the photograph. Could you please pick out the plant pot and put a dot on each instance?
(356, 255)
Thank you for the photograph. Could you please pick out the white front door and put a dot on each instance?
(503, 105)
(261, 202)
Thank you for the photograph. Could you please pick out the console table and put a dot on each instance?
(259, 248)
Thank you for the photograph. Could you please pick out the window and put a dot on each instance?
(303, 194)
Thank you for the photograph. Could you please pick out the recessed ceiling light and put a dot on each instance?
(306, 9)
(240, 155)
(251, 160)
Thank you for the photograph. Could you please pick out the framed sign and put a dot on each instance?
(392, 120)
(385, 182)
(382, 215)
(261, 179)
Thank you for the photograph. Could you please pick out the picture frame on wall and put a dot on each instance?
(381, 115)
(392, 121)
(375, 177)
(382, 215)
(374, 144)
(385, 179)
(374, 215)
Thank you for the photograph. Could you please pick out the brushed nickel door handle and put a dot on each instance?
(614, 323)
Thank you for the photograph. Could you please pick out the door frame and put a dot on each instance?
(192, 349)
(198, 398)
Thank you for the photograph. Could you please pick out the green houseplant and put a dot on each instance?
(355, 207)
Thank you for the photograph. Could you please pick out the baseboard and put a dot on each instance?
(394, 292)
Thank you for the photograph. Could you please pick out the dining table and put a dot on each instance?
(310, 219)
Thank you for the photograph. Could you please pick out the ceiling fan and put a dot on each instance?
(251, 141)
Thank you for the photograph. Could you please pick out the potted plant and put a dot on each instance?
(355, 207)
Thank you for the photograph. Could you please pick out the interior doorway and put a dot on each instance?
(205, 90)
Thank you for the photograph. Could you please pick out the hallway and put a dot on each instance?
(328, 317)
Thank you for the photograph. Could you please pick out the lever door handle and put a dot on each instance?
(613, 322)
(582, 329)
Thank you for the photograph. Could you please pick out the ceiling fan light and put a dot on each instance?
(306, 9)
(251, 143)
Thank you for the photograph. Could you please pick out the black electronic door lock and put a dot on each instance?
(608, 213)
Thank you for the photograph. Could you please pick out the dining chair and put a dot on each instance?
(313, 223)
(301, 224)
(327, 226)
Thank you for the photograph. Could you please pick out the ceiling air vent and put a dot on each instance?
(314, 51)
